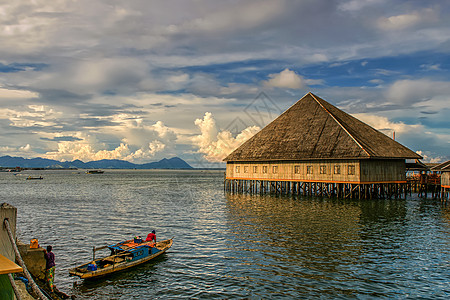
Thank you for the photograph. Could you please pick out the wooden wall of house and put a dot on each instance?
(445, 179)
(377, 170)
(351, 171)
(315, 171)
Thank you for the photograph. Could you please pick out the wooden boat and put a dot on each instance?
(34, 178)
(124, 255)
(95, 172)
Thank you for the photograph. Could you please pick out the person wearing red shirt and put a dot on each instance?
(151, 236)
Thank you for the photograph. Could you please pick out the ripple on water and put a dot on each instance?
(234, 246)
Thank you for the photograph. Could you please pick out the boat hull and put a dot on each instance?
(82, 272)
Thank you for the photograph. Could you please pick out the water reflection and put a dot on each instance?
(307, 241)
(317, 247)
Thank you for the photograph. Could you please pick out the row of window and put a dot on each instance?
(309, 169)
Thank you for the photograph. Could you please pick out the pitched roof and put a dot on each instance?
(314, 129)
(442, 167)
(417, 165)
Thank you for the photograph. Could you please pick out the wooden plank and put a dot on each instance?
(7, 266)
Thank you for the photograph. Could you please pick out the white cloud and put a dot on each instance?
(32, 115)
(285, 79)
(26, 148)
(409, 91)
(86, 151)
(398, 22)
(386, 126)
(404, 21)
(356, 5)
(236, 17)
(25, 151)
(431, 159)
(17, 94)
(215, 144)
(139, 143)
(431, 67)
(417, 137)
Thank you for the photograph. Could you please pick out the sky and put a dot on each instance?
(143, 80)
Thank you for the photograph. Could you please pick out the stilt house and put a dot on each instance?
(315, 142)
(444, 168)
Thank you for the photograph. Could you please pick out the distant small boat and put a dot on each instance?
(34, 178)
(124, 255)
(95, 172)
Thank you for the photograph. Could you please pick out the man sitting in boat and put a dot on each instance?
(151, 236)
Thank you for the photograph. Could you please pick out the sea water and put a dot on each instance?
(233, 246)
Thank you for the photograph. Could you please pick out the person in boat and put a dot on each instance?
(49, 267)
(151, 236)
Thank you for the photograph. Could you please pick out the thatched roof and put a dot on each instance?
(442, 167)
(314, 129)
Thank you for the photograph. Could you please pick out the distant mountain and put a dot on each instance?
(12, 162)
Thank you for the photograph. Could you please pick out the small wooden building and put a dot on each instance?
(316, 148)
(444, 168)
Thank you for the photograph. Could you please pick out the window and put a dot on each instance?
(297, 169)
(309, 169)
(238, 169)
(351, 170)
(275, 169)
(245, 169)
(255, 169)
(323, 169)
(337, 169)
(264, 169)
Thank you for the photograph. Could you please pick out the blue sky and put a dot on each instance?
(143, 80)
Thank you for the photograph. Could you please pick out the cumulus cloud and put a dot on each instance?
(215, 144)
(139, 142)
(285, 79)
(25, 150)
(31, 116)
(86, 151)
(427, 157)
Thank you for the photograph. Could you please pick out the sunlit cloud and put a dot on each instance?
(216, 144)
(285, 79)
(16, 94)
(403, 21)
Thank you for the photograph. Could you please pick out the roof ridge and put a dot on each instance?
(339, 123)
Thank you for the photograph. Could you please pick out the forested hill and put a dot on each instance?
(13, 162)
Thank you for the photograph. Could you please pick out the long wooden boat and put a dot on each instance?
(95, 172)
(34, 178)
(124, 255)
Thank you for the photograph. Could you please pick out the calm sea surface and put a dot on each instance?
(233, 246)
